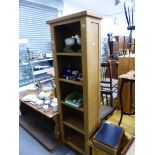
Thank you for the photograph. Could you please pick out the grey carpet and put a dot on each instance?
(30, 146)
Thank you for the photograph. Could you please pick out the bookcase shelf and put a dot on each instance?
(71, 81)
(79, 109)
(73, 118)
(74, 145)
(74, 125)
(69, 54)
(77, 124)
(74, 139)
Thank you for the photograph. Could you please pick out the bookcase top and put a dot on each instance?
(75, 15)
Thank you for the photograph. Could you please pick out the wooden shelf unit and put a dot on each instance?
(77, 124)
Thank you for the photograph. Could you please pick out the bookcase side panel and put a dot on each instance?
(93, 73)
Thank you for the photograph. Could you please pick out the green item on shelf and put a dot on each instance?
(74, 99)
(67, 49)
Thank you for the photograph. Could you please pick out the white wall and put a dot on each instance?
(70, 8)
(113, 16)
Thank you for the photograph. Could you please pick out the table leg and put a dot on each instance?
(23, 108)
(57, 129)
(130, 96)
(121, 102)
(131, 112)
(131, 104)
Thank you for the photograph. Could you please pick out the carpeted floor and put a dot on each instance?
(29, 146)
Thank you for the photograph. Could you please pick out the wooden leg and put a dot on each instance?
(132, 109)
(121, 102)
(111, 99)
(131, 83)
(102, 98)
(107, 102)
(57, 129)
(23, 109)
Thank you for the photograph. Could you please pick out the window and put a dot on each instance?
(33, 27)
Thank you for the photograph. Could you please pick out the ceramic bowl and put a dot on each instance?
(45, 108)
(69, 41)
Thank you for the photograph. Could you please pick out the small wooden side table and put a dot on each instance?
(126, 78)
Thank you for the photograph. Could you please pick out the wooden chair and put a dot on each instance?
(108, 84)
(108, 90)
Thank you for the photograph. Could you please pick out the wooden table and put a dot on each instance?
(44, 126)
(126, 78)
(125, 65)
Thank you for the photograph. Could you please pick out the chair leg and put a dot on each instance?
(102, 98)
(107, 100)
(111, 100)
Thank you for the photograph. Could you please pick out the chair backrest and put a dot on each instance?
(106, 74)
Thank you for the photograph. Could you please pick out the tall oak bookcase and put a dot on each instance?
(78, 124)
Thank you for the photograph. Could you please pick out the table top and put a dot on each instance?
(48, 114)
(128, 76)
